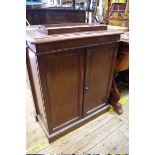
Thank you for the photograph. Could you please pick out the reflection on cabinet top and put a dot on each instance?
(36, 37)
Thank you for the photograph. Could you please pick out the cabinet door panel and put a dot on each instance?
(63, 86)
(97, 77)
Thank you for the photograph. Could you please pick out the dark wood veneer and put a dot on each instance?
(51, 15)
(71, 79)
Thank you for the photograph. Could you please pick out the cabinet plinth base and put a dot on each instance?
(52, 137)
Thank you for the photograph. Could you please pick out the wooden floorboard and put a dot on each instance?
(107, 133)
(75, 136)
(108, 143)
(121, 148)
(95, 137)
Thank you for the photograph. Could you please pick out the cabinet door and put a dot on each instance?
(98, 76)
(62, 83)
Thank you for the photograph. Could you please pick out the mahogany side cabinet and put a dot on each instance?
(70, 77)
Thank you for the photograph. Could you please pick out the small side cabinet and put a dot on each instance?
(70, 78)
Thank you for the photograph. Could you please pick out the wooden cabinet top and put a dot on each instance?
(35, 37)
(42, 43)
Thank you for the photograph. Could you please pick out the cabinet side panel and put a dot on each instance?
(31, 83)
(35, 78)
